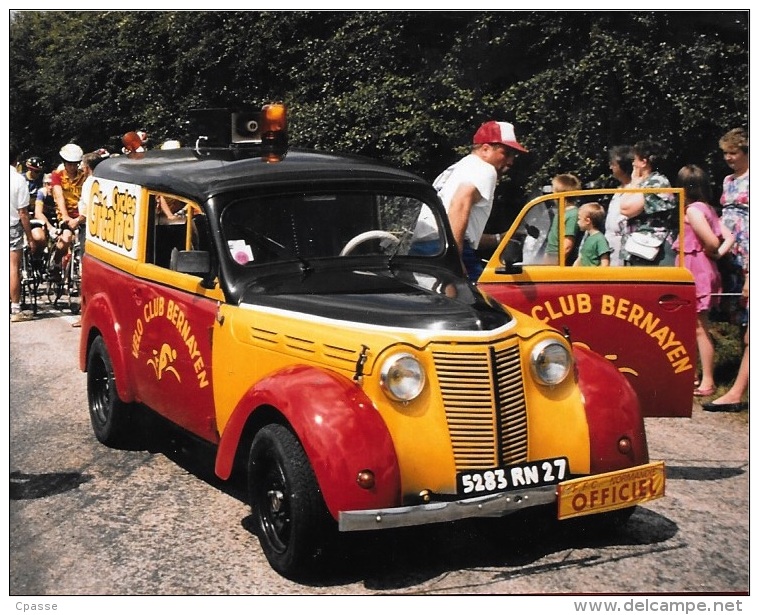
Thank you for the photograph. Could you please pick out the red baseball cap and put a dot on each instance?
(498, 132)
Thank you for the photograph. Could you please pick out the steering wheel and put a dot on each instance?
(368, 236)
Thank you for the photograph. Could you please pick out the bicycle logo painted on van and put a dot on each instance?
(161, 362)
(159, 311)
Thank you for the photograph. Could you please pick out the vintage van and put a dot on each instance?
(280, 314)
(642, 318)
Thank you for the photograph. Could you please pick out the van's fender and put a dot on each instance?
(340, 430)
(612, 411)
(98, 315)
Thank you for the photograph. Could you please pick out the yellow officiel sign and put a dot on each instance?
(611, 491)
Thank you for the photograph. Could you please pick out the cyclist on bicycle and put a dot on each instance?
(45, 222)
(33, 176)
(67, 189)
(34, 181)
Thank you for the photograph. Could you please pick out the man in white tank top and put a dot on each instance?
(467, 189)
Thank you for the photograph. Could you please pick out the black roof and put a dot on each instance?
(201, 176)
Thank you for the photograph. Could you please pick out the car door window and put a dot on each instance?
(175, 224)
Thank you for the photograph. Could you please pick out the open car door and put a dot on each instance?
(642, 318)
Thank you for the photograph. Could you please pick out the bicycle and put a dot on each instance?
(65, 277)
(54, 286)
(73, 273)
(32, 273)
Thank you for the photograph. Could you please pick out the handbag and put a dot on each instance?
(643, 246)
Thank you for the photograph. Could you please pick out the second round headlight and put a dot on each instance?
(402, 377)
(551, 362)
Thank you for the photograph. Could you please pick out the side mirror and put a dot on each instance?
(511, 257)
(194, 262)
(532, 231)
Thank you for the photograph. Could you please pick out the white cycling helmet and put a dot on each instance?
(71, 153)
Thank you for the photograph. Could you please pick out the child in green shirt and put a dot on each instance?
(594, 248)
(565, 182)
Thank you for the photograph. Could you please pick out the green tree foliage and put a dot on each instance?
(409, 87)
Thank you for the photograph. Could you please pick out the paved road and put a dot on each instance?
(89, 520)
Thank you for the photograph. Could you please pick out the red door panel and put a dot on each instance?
(643, 319)
(172, 355)
(646, 330)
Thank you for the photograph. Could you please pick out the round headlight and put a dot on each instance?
(402, 377)
(551, 362)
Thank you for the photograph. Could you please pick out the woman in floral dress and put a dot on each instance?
(734, 201)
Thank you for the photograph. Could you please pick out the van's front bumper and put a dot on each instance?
(584, 495)
(493, 505)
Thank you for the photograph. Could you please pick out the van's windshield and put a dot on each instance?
(308, 226)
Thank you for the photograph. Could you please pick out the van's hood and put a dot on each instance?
(411, 300)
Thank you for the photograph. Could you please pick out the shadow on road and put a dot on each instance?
(193, 454)
(401, 558)
(405, 558)
(704, 472)
(33, 486)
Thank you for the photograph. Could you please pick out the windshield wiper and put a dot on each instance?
(397, 248)
(305, 267)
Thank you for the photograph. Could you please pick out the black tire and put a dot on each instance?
(291, 519)
(111, 418)
(54, 290)
(75, 278)
(28, 297)
(75, 285)
(29, 281)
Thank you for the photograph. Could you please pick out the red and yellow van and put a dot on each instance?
(283, 315)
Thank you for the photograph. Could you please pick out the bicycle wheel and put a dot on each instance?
(28, 281)
(74, 279)
(54, 286)
(58, 275)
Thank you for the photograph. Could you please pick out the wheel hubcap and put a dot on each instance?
(276, 500)
(273, 506)
(100, 393)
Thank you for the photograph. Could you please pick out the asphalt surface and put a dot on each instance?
(86, 520)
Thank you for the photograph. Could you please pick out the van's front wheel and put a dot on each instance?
(291, 519)
(111, 418)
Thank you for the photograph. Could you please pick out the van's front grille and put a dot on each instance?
(484, 402)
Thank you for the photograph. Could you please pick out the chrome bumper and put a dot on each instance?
(493, 505)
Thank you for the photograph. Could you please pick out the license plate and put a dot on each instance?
(517, 476)
(611, 491)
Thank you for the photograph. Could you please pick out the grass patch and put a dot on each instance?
(728, 350)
